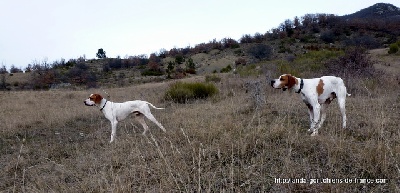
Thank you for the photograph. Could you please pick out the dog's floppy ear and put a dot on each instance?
(96, 98)
(291, 81)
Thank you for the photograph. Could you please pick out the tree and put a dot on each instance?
(190, 66)
(288, 27)
(170, 68)
(246, 39)
(101, 53)
(154, 58)
(258, 37)
(3, 83)
(179, 59)
(15, 69)
(296, 22)
(3, 70)
(28, 68)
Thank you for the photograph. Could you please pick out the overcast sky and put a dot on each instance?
(48, 30)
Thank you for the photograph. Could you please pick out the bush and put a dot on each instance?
(179, 59)
(190, 66)
(355, 61)
(260, 51)
(181, 92)
(394, 48)
(226, 69)
(151, 73)
(213, 78)
(328, 37)
(366, 41)
(240, 61)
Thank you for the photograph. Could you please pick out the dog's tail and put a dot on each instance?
(153, 106)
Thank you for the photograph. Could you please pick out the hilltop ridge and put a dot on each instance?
(379, 10)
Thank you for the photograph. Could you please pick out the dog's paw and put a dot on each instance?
(315, 133)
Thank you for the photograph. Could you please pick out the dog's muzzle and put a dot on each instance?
(87, 104)
(272, 84)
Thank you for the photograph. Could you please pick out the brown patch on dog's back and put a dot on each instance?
(320, 87)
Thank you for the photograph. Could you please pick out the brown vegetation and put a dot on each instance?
(50, 141)
(247, 138)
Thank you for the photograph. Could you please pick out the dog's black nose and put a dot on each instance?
(272, 83)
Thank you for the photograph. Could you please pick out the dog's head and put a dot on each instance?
(285, 81)
(93, 100)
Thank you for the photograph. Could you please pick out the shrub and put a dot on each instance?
(226, 69)
(393, 48)
(190, 66)
(181, 92)
(248, 70)
(366, 41)
(328, 37)
(213, 78)
(240, 61)
(286, 68)
(179, 59)
(151, 73)
(260, 51)
(355, 61)
(238, 52)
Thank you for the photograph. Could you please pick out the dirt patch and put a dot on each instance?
(389, 63)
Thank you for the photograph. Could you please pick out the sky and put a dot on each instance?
(49, 30)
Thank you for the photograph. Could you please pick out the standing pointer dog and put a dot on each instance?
(317, 93)
(115, 112)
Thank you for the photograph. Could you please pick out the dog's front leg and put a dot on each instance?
(113, 130)
(311, 114)
(316, 119)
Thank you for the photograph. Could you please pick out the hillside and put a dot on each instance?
(379, 10)
(371, 28)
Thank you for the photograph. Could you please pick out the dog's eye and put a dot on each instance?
(281, 79)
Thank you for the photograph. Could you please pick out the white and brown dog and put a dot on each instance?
(115, 112)
(316, 93)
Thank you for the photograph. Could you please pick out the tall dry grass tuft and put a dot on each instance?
(212, 145)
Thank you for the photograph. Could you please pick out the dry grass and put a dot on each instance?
(390, 64)
(51, 142)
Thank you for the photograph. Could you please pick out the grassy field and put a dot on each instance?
(51, 142)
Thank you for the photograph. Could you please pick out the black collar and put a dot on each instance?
(301, 85)
(103, 106)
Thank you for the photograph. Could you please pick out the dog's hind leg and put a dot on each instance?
(140, 118)
(323, 115)
(154, 120)
(342, 106)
